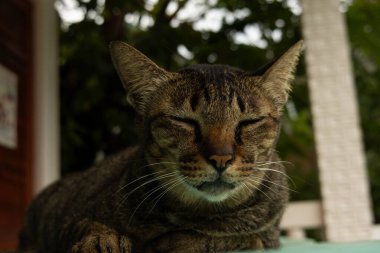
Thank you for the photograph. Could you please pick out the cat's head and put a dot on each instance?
(210, 129)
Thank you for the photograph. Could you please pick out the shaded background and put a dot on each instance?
(96, 121)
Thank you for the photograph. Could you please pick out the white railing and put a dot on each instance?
(376, 232)
(300, 216)
(308, 215)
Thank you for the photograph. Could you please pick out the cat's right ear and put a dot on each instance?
(139, 75)
(276, 77)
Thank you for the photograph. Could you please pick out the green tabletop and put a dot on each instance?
(309, 246)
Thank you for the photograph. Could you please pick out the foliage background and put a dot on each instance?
(96, 121)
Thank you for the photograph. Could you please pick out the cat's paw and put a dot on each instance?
(177, 242)
(103, 243)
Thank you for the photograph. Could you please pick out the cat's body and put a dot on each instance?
(205, 179)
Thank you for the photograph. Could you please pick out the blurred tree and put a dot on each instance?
(363, 19)
(95, 119)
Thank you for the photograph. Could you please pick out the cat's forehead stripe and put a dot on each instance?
(215, 83)
(194, 100)
(240, 103)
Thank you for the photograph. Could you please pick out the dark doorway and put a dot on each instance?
(15, 155)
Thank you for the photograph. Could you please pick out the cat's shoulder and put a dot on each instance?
(119, 159)
(81, 185)
(108, 169)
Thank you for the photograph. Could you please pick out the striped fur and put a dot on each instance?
(205, 179)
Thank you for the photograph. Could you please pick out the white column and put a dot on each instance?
(46, 95)
(341, 161)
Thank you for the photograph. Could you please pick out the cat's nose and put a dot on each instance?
(220, 162)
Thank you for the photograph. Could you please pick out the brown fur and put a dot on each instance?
(205, 179)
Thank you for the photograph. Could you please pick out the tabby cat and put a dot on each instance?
(205, 179)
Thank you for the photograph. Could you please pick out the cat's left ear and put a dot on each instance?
(140, 76)
(276, 80)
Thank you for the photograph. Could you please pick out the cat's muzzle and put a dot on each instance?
(216, 187)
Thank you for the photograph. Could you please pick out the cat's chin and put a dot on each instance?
(215, 191)
(216, 187)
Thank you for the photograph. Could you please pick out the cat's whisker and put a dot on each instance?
(178, 181)
(281, 172)
(137, 179)
(258, 189)
(234, 199)
(249, 190)
(259, 181)
(279, 185)
(273, 162)
(148, 182)
(160, 186)
(154, 164)
(156, 178)
(147, 175)
(197, 204)
(140, 178)
(150, 193)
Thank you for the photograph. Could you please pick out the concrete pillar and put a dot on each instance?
(341, 161)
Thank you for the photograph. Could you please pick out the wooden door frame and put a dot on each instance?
(46, 168)
(32, 53)
(17, 174)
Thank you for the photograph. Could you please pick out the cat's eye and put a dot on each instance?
(187, 121)
(245, 123)
(189, 124)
